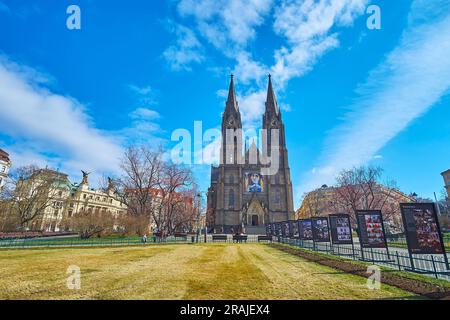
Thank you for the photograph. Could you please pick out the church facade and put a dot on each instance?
(251, 186)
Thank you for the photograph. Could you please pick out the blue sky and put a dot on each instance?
(137, 71)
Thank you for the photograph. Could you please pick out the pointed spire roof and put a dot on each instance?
(252, 153)
(232, 101)
(271, 101)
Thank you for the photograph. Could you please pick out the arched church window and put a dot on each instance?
(231, 199)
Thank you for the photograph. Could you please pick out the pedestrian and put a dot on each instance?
(144, 238)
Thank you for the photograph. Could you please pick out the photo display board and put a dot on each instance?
(279, 229)
(341, 230)
(320, 229)
(422, 230)
(274, 229)
(294, 229)
(269, 229)
(285, 228)
(305, 229)
(371, 229)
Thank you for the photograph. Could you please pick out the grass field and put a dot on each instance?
(214, 271)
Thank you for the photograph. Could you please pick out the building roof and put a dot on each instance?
(4, 155)
(445, 172)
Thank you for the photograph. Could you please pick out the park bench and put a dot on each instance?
(219, 237)
(239, 238)
(183, 236)
(264, 238)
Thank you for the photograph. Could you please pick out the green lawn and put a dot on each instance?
(212, 271)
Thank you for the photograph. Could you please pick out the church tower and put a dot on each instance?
(231, 148)
(228, 188)
(281, 203)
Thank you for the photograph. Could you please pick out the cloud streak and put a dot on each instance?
(306, 27)
(411, 79)
(186, 51)
(50, 123)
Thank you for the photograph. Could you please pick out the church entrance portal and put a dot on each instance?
(254, 220)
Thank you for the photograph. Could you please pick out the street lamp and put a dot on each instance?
(199, 196)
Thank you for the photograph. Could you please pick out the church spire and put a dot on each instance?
(271, 101)
(232, 101)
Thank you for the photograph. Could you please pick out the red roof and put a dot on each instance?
(4, 155)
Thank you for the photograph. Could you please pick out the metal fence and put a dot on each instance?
(93, 242)
(228, 238)
(400, 241)
(432, 265)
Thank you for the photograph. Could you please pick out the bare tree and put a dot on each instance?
(141, 174)
(90, 223)
(132, 225)
(29, 191)
(444, 203)
(361, 189)
(154, 188)
(8, 221)
(174, 184)
(184, 214)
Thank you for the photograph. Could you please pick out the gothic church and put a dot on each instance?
(243, 197)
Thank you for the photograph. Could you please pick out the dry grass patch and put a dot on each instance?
(213, 271)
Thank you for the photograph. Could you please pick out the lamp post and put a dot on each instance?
(198, 217)
(199, 197)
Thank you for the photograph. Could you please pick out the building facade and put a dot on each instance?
(49, 190)
(251, 186)
(65, 199)
(446, 176)
(5, 165)
(85, 199)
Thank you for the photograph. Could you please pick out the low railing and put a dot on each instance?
(229, 238)
(93, 242)
(400, 241)
(433, 265)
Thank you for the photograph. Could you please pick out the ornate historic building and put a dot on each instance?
(85, 199)
(61, 199)
(5, 164)
(244, 194)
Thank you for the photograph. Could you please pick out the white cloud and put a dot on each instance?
(227, 24)
(222, 93)
(251, 106)
(146, 95)
(412, 78)
(144, 114)
(247, 70)
(305, 20)
(185, 51)
(309, 29)
(306, 26)
(144, 128)
(50, 126)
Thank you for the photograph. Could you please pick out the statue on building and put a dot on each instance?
(85, 177)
